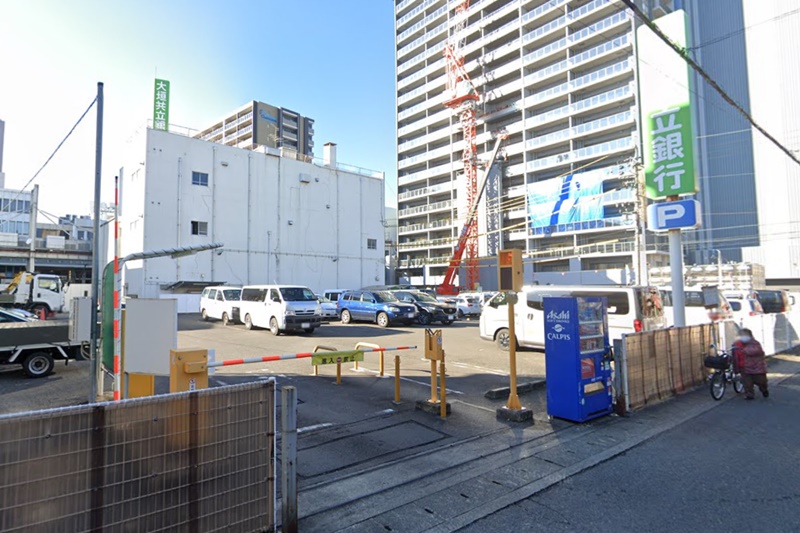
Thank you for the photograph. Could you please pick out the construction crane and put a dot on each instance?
(462, 97)
(470, 227)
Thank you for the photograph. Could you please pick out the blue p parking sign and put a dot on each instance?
(664, 216)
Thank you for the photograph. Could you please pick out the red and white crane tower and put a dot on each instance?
(462, 97)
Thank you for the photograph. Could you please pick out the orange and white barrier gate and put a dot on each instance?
(189, 367)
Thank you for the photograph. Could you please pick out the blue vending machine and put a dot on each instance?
(577, 358)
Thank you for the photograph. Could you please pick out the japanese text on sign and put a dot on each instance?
(671, 163)
(337, 358)
(161, 105)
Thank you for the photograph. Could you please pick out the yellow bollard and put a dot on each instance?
(396, 379)
(338, 373)
(318, 348)
(443, 394)
(360, 345)
(434, 399)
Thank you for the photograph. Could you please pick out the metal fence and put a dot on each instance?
(196, 461)
(662, 363)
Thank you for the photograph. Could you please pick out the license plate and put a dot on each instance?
(305, 325)
(410, 315)
(450, 317)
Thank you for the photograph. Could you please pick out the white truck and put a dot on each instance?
(36, 346)
(34, 292)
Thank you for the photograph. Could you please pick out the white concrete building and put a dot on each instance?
(773, 77)
(281, 220)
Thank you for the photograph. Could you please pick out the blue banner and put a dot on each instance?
(571, 203)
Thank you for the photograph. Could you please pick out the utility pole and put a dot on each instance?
(97, 365)
(32, 228)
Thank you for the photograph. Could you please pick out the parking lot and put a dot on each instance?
(473, 366)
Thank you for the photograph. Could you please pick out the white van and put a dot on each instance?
(333, 294)
(280, 308)
(696, 312)
(630, 309)
(221, 303)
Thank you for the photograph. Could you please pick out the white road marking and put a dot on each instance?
(483, 369)
(475, 406)
(428, 385)
(314, 427)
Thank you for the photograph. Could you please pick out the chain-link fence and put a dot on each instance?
(198, 461)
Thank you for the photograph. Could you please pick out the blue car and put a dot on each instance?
(381, 307)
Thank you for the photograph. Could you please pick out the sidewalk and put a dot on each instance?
(448, 488)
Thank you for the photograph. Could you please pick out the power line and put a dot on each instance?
(742, 30)
(51, 155)
(714, 85)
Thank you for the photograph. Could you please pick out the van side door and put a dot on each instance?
(530, 319)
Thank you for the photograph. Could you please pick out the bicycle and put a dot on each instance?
(724, 373)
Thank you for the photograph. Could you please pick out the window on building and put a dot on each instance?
(199, 228)
(372, 244)
(200, 178)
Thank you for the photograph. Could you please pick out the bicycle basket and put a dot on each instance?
(717, 362)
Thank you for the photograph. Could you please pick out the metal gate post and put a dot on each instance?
(289, 459)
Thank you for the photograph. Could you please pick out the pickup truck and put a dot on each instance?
(37, 344)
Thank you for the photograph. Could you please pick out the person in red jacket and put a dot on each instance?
(751, 362)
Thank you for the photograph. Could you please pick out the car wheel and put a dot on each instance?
(248, 322)
(203, 314)
(503, 339)
(424, 319)
(37, 310)
(383, 320)
(309, 330)
(225, 320)
(346, 318)
(273, 326)
(38, 364)
(460, 314)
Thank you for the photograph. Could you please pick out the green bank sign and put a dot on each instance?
(161, 105)
(668, 134)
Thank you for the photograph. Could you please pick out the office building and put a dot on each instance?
(559, 77)
(282, 220)
(259, 124)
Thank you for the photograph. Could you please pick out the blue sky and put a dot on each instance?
(330, 60)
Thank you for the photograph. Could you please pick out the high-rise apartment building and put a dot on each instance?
(559, 77)
(259, 124)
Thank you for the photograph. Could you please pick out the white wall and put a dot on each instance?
(248, 204)
(774, 75)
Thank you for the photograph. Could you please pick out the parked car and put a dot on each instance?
(333, 294)
(381, 307)
(280, 308)
(222, 303)
(742, 307)
(468, 306)
(11, 315)
(696, 312)
(429, 309)
(329, 309)
(630, 309)
(774, 301)
(22, 313)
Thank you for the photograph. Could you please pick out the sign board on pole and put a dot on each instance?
(150, 332)
(666, 109)
(161, 105)
(664, 216)
(348, 357)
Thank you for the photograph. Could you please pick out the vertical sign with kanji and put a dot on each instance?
(670, 171)
(161, 105)
(666, 103)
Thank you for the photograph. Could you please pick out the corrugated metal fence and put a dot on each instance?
(198, 461)
(665, 362)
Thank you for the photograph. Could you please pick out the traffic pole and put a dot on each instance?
(513, 399)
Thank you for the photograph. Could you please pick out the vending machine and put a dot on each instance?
(578, 358)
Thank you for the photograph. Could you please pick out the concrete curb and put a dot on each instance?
(522, 388)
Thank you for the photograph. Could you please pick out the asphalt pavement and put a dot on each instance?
(733, 468)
